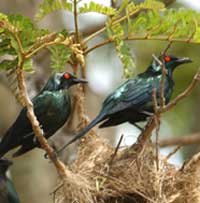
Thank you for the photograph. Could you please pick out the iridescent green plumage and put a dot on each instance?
(132, 101)
(8, 193)
(52, 106)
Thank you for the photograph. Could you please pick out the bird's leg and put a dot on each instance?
(54, 153)
(147, 113)
(138, 127)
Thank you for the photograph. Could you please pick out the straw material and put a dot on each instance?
(132, 176)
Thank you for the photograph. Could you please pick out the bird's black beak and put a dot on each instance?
(183, 60)
(79, 80)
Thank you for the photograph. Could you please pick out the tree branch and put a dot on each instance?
(180, 140)
(76, 22)
(36, 126)
(146, 134)
(119, 20)
(30, 112)
(159, 38)
(184, 94)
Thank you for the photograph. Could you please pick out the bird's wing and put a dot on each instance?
(133, 93)
(22, 126)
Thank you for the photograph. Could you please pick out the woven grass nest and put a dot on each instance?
(133, 175)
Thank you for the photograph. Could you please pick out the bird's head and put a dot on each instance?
(4, 165)
(62, 81)
(170, 62)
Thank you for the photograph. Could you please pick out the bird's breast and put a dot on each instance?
(57, 112)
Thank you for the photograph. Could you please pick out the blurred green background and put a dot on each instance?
(35, 177)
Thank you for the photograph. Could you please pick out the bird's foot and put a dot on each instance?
(139, 127)
(147, 113)
(54, 154)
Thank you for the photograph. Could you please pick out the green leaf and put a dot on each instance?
(8, 64)
(117, 31)
(98, 8)
(124, 54)
(20, 22)
(147, 4)
(28, 65)
(171, 24)
(123, 51)
(5, 46)
(122, 7)
(60, 54)
(3, 20)
(25, 30)
(49, 6)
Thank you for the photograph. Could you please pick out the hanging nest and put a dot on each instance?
(132, 175)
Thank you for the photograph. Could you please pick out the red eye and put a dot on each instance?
(167, 58)
(67, 76)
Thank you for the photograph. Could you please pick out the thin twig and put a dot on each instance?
(184, 94)
(159, 38)
(146, 134)
(162, 81)
(172, 152)
(56, 189)
(76, 22)
(167, 48)
(164, 71)
(116, 150)
(36, 126)
(191, 165)
(31, 116)
(157, 121)
(181, 140)
(134, 13)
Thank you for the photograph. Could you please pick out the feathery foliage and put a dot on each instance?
(59, 57)
(117, 30)
(98, 8)
(147, 20)
(171, 24)
(49, 6)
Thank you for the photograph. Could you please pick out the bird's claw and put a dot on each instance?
(54, 155)
(46, 156)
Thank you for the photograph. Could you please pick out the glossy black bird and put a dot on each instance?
(8, 193)
(132, 101)
(52, 107)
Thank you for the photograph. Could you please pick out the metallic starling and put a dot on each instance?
(8, 193)
(132, 101)
(52, 107)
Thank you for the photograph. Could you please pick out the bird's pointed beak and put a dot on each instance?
(79, 80)
(183, 60)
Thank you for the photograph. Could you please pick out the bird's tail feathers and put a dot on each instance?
(6, 144)
(3, 148)
(84, 131)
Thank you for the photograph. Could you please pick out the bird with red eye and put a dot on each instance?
(66, 76)
(132, 101)
(167, 58)
(172, 61)
(52, 107)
